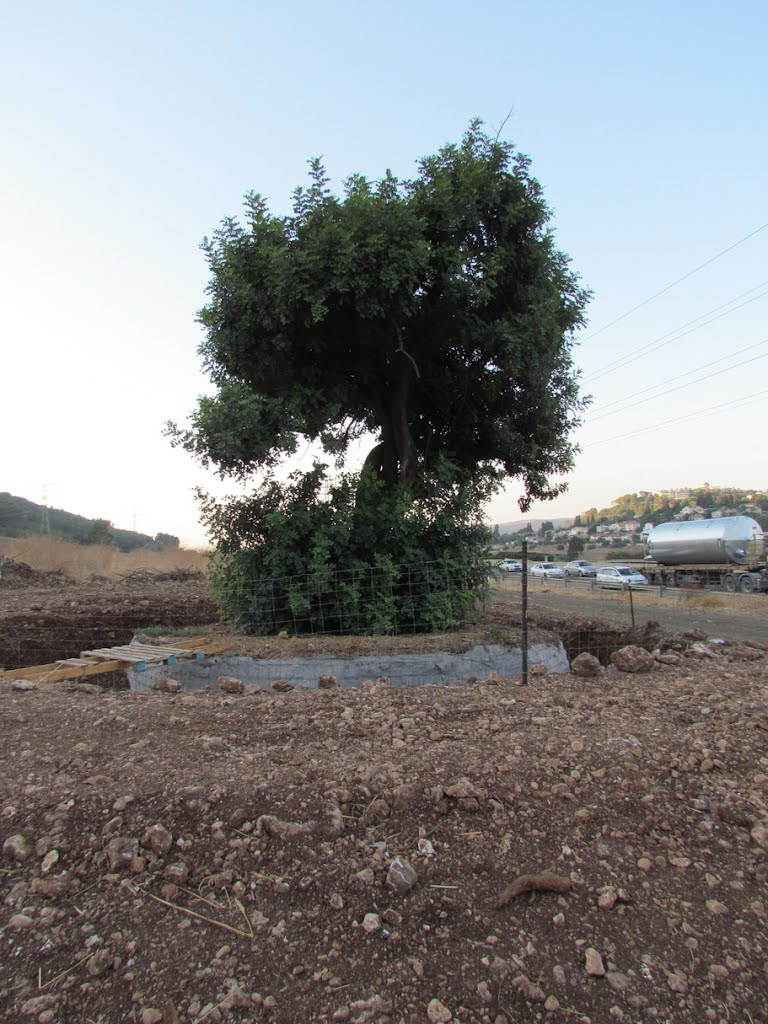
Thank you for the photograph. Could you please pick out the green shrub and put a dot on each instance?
(352, 557)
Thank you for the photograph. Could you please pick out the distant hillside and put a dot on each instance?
(520, 524)
(20, 517)
(703, 502)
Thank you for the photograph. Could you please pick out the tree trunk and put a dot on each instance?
(395, 459)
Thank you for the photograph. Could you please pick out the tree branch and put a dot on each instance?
(401, 348)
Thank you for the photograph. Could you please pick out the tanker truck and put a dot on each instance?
(728, 553)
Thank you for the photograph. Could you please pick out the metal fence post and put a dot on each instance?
(525, 612)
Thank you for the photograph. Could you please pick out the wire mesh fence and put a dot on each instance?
(46, 617)
(382, 598)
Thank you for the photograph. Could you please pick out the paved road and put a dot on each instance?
(728, 616)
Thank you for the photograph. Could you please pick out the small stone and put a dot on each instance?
(551, 1003)
(20, 921)
(607, 898)
(282, 686)
(371, 923)
(49, 860)
(120, 852)
(533, 993)
(463, 789)
(633, 659)
(229, 684)
(38, 1004)
(151, 1015)
(401, 876)
(558, 974)
(483, 990)
(167, 686)
(438, 1012)
(618, 981)
(593, 963)
(158, 839)
(377, 810)
(717, 972)
(586, 665)
(177, 874)
(644, 864)
(17, 848)
(327, 682)
(759, 834)
(280, 829)
(677, 981)
(23, 685)
(366, 876)
(469, 805)
(716, 907)
(336, 901)
(99, 963)
(679, 862)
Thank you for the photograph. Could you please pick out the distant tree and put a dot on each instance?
(545, 528)
(575, 547)
(165, 540)
(101, 532)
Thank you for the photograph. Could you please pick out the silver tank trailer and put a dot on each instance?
(733, 540)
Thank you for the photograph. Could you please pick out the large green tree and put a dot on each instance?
(435, 314)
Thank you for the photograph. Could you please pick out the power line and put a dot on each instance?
(675, 283)
(698, 414)
(670, 380)
(676, 334)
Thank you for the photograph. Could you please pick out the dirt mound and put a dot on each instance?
(19, 575)
(141, 577)
(38, 626)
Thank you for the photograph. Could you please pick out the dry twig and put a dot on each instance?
(200, 917)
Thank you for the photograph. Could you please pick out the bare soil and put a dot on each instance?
(206, 857)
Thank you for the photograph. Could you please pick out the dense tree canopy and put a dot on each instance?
(435, 314)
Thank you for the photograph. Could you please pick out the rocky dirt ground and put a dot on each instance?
(347, 855)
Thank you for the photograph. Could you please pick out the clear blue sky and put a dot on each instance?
(129, 131)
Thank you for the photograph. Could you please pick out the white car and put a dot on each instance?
(510, 565)
(546, 570)
(620, 576)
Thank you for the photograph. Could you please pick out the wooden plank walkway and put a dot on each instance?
(136, 656)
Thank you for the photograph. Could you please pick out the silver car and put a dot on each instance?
(546, 570)
(619, 576)
(580, 568)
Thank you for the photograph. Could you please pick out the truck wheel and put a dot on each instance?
(670, 579)
(729, 584)
(747, 584)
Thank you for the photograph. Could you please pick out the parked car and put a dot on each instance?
(580, 568)
(619, 576)
(546, 570)
(510, 565)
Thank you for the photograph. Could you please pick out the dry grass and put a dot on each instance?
(83, 560)
(700, 600)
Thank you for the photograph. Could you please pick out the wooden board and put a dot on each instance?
(55, 671)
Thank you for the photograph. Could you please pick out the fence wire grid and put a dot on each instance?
(47, 617)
